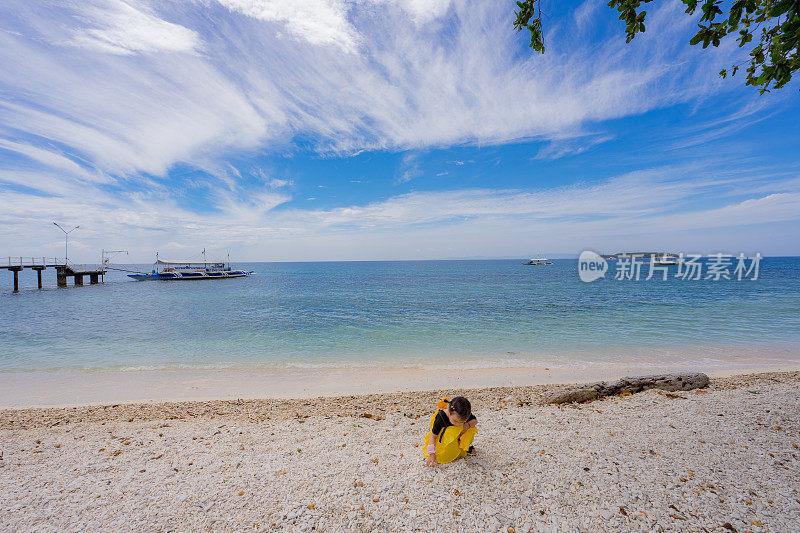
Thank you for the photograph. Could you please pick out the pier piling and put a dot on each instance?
(63, 270)
(61, 276)
(16, 270)
(38, 270)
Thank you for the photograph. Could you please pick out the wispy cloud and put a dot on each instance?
(706, 131)
(159, 85)
(660, 191)
(318, 22)
(409, 169)
(574, 145)
(100, 102)
(53, 159)
(658, 206)
(120, 28)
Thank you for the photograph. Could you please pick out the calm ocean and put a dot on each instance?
(455, 314)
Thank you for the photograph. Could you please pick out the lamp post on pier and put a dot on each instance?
(66, 240)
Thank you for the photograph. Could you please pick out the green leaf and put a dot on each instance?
(773, 58)
(780, 8)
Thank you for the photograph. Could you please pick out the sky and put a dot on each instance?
(289, 130)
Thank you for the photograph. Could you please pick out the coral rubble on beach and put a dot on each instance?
(721, 458)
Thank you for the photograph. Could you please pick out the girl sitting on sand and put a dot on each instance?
(453, 426)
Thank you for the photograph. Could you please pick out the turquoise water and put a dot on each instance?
(456, 314)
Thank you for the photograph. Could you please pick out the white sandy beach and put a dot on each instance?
(723, 458)
(73, 388)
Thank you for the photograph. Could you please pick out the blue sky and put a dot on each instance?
(378, 129)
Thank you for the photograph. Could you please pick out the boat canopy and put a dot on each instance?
(193, 262)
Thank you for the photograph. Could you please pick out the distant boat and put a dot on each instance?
(539, 261)
(656, 258)
(665, 259)
(185, 270)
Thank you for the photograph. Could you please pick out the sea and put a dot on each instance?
(420, 314)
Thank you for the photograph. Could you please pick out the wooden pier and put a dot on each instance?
(63, 270)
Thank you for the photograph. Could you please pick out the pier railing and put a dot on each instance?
(32, 262)
(28, 262)
(85, 267)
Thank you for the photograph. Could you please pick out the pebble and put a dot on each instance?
(510, 483)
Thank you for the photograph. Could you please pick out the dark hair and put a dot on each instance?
(461, 405)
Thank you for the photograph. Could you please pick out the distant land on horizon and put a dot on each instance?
(469, 258)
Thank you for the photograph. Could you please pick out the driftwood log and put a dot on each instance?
(632, 385)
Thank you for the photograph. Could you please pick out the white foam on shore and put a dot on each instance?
(691, 356)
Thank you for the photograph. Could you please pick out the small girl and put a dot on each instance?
(453, 427)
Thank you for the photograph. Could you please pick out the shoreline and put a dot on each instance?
(376, 403)
(75, 388)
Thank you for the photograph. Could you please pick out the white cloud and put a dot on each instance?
(401, 85)
(409, 169)
(124, 114)
(271, 182)
(558, 148)
(53, 159)
(586, 14)
(44, 183)
(277, 183)
(153, 85)
(635, 194)
(423, 11)
(320, 22)
(654, 208)
(121, 28)
(253, 208)
(778, 207)
(326, 22)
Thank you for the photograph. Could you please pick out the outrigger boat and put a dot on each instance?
(172, 270)
(655, 258)
(539, 261)
(666, 259)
